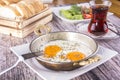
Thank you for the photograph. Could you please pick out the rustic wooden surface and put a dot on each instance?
(110, 70)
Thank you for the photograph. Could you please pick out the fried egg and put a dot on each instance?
(64, 51)
(52, 50)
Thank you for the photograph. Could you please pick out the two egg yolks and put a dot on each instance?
(51, 51)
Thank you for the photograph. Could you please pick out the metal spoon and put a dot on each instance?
(114, 32)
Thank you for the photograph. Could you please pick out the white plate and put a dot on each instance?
(47, 74)
(83, 28)
(56, 11)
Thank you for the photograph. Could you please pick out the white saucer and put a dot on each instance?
(83, 28)
(47, 74)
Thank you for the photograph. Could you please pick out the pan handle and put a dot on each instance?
(88, 61)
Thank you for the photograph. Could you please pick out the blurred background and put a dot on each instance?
(115, 8)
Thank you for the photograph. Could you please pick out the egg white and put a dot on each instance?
(67, 46)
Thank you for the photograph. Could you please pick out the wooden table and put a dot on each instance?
(110, 70)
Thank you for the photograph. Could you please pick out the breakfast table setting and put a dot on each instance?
(52, 40)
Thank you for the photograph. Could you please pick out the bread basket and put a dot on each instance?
(19, 22)
(19, 19)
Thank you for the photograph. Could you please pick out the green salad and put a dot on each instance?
(74, 13)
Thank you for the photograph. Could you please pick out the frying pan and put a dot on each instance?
(68, 36)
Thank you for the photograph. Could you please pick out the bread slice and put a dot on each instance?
(2, 3)
(17, 8)
(7, 2)
(29, 6)
(35, 7)
(9, 12)
(38, 6)
(28, 9)
(21, 9)
(14, 1)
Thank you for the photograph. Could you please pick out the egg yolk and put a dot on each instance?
(75, 56)
(51, 50)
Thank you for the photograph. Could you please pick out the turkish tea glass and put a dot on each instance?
(98, 25)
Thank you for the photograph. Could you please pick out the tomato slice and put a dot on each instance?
(87, 16)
